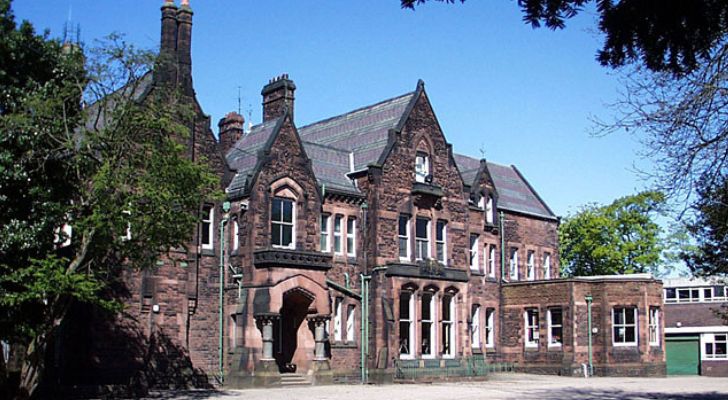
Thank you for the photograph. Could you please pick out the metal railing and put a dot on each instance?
(445, 368)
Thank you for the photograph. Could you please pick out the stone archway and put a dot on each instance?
(294, 341)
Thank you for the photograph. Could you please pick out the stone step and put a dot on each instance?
(294, 380)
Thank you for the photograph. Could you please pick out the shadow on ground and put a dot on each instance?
(187, 394)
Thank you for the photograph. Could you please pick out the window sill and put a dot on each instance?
(555, 347)
(208, 252)
(344, 345)
(476, 273)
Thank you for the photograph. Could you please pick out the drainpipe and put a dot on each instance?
(364, 346)
(501, 221)
(588, 299)
(221, 282)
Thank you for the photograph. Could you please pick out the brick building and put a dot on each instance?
(696, 332)
(362, 247)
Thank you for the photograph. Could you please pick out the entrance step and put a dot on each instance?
(295, 380)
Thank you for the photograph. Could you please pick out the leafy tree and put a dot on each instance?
(664, 35)
(710, 228)
(620, 238)
(116, 172)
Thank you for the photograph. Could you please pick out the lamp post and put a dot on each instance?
(221, 282)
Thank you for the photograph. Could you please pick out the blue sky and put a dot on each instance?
(522, 96)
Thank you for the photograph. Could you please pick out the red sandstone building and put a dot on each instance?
(362, 247)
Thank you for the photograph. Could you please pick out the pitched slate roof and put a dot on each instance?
(243, 156)
(514, 191)
(364, 131)
(97, 112)
(330, 165)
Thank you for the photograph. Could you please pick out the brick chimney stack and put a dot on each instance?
(277, 96)
(230, 130)
(184, 47)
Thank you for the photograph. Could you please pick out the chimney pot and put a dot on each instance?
(230, 130)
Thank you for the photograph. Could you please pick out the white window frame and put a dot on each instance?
(448, 327)
(547, 266)
(696, 294)
(406, 237)
(350, 323)
(325, 239)
(351, 236)
(127, 232)
(481, 204)
(491, 261)
(338, 241)
(490, 328)
(489, 216)
(531, 332)
(410, 327)
(337, 319)
(552, 326)
(422, 166)
(236, 236)
(711, 339)
(474, 253)
(422, 244)
(441, 230)
(625, 326)
(283, 223)
(530, 265)
(653, 326)
(475, 326)
(208, 218)
(513, 264)
(432, 327)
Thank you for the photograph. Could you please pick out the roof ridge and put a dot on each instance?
(326, 146)
(355, 111)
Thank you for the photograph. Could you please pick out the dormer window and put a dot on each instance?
(422, 167)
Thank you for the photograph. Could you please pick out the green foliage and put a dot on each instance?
(114, 167)
(620, 238)
(670, 35)
(710, 230)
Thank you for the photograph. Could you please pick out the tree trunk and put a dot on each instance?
(33, 367)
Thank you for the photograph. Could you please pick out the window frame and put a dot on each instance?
(489, 212)
(475, 326)
(338, 245)
(338, 323)
(490, 328)
(283, 223)
(422, 243)
(351, 236)
(547, 265)
(491, 260)
(653, 326)
(236, 236)
(350, 336)
(421, 173)
(552, 326)
(513, 264)
(432, 321)
(412, 341)
(710, 339)
(441, 230)
(530, 265)
(325, 233)
(531, 334)
(634, 325)
(406, 237)
(448, 327)
(474, 258)
(208, 218)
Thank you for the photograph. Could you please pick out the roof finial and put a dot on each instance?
(185, 3)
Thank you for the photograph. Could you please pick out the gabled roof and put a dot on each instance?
(514, 192)
(330, 165)
(243, 156)
(364, 131)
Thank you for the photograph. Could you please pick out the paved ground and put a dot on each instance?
(499, 386)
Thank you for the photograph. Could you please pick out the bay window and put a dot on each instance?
(282, 223)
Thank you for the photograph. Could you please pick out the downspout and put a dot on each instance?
(364, 346)
(588, 299)
(503, 246)
(221, 283)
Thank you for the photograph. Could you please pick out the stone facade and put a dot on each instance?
(355, 248)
